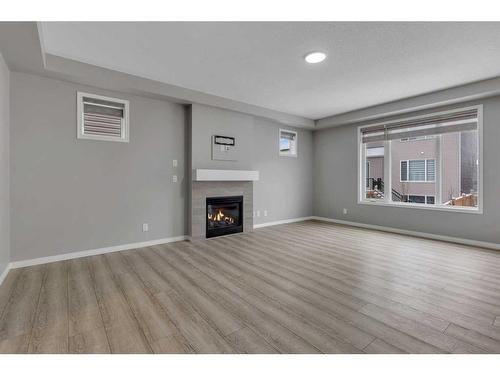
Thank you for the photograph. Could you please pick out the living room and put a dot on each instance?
(250, 187)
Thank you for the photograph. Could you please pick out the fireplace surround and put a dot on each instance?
(224, 215)
(201, 190)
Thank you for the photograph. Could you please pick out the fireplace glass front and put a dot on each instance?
(224, 215)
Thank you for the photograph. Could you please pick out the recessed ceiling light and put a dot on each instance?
(315, 57)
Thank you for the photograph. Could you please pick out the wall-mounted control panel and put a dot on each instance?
(223, 148)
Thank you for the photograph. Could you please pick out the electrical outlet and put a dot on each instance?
(258, 213)
(174, 178)
(145, 227)
(344, 211)
(174, 163)
(265, 212)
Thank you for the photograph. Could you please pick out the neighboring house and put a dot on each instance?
(415, 167)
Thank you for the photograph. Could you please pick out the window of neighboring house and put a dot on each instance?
(287, 142)
(418, 170)
(102, 118)
(429, 199)
(442, 170)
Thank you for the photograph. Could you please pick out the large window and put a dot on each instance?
(430, 161)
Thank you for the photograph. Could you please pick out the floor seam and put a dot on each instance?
(120, 288)
(153, 295)
(367, 345)
(45, 271)
(92, 278)
(444, 330)
(286, 328)
(67, 302)
(11, 292)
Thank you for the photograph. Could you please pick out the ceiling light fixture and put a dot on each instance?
(315, 57)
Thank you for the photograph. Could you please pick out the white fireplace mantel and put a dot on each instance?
(224, 175)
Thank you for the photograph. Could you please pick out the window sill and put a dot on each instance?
(102, 138)
(421, 206)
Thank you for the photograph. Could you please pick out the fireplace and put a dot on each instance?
(224, 215)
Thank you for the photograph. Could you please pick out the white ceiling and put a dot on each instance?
(262, 63)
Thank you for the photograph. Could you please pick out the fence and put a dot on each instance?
(467, 200)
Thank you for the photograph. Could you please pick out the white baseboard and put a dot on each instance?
(104, 250)
(86, 253)
(4, 273)
(286, 221)
(462, 241)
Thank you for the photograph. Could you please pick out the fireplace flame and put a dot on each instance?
(219, 216)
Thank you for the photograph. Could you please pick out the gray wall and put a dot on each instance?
(335, 185)
(285, 187)
(70, 195)
(209, 121)
(4, 166)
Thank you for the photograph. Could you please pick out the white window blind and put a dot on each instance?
(431, 170)
(416, 170)
(423, 126)
(288, 135)
(102, 118)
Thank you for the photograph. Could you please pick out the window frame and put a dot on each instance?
(125, 131)
(387, 201)
(288, 153)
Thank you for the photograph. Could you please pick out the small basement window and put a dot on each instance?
(102, 118)
(288, 143)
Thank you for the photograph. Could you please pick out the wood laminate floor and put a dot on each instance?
(306, 287)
